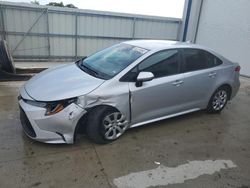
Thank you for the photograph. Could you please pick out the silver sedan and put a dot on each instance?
(124, 86)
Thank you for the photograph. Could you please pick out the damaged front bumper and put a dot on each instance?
(57, 128)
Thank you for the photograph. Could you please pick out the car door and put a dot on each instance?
(162, 95)
(200, 76)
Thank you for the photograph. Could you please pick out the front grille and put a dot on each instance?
(26, 124)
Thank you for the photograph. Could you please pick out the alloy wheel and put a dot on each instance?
(219, 100)
(115, 125)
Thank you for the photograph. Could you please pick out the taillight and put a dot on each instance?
(237, 69)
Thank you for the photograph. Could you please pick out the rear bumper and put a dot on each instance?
(235, 88)
(58, 128)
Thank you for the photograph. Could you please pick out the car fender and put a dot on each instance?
(116, 96)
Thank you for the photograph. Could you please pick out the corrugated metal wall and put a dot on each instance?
(43, 32)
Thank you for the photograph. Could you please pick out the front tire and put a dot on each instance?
(105, 124)
(218, 100)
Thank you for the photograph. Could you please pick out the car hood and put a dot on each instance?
(62, 82)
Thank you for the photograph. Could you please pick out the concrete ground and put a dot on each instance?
(194, 150)
(28, 65)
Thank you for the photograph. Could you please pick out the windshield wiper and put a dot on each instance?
(88, 70)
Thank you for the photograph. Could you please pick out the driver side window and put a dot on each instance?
(161, 64)
(164, 63)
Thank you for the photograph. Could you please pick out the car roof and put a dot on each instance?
(168, 44)
(162, 44)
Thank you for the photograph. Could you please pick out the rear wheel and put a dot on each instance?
(105, 125)
(218, 100)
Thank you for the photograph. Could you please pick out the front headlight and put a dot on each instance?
(52, 107)
(57, 106)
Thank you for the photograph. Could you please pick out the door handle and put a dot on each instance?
(177, 82)
(212, 74)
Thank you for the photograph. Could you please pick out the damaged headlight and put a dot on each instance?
(57, 106)
(52, 107)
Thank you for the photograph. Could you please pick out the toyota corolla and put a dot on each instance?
(124, 86)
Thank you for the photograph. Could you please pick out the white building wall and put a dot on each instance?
(224, 26)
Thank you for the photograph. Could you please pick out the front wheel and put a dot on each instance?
(105, 125)
(218, 100)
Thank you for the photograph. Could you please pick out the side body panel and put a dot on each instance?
(199, 86)
(232, 78)
(111, 93)
(160, 98)
(156, 98)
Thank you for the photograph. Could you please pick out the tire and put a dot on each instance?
(6, 60)
(218, 100)
(99, 124)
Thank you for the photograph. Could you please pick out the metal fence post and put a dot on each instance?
(48, 36)
(76, 37)
(133, 28)
(179, 37)
(3, 25)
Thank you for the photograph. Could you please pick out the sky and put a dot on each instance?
(165, 8)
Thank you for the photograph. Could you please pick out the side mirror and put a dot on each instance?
(144, 77)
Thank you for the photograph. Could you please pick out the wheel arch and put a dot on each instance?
(82, 122)
(228, 86)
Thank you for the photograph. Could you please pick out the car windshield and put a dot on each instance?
(110, 61)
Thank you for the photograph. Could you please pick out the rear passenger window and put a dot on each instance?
(212, 60)
(195, 59)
